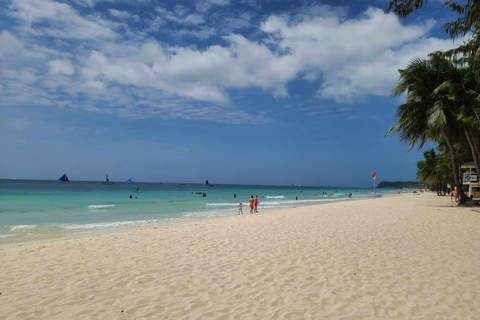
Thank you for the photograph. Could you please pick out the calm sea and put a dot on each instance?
(35, 208)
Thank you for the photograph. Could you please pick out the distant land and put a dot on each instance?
(401, 184)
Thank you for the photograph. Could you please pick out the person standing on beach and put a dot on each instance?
(256, 203)
(240, 208)
(251, 204)
(456, 193)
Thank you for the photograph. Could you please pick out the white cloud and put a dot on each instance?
(355, 58)
(61, 67)
(134, 76)
(205, 5)
(9, 44)
(58, 20)
(93, 3)
(123, 15)
(180, 15)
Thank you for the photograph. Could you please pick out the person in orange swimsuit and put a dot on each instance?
(251, 204)
(255, 202)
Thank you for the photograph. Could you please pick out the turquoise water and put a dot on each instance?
(34, 207)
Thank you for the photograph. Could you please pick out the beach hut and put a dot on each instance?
(470, 179)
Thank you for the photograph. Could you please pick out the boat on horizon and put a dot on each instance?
(106, 180)
(129, 180)
(64, 178)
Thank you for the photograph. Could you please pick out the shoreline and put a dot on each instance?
(39, 238)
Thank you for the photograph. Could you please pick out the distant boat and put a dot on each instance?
(64, 178)
(129, 180)
(205, 183)
(106, 180)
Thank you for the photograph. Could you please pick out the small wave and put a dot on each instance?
(3, 236)
(272, 203)
(221, 204)
(209, 214)
(107, 225)
(23, 227)
(275, 197)
(99, 206)
(308, 200)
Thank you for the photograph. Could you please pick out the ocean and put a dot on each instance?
(36, 208)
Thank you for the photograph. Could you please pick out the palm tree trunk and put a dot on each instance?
(453, 157)
(473, 149)
(475, 140)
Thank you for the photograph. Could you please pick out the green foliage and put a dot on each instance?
(434, 90)
(401, 184)
(436, 169)
(426, 115)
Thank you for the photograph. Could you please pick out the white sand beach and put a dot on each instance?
(398, 257)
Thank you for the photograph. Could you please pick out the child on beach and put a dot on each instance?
(240, 208)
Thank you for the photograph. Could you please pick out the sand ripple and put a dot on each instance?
(405, 257)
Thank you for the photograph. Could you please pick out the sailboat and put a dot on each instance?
(129, 180)
(205, 183)
(64, 178)
(106, 180)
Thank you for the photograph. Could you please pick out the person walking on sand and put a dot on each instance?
(255, 202)
(240, 208)
(251, 204)
(456, 193)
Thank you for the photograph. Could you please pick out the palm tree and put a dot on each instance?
(427, 170)
(435, 169)
(461, 92)
(425, 116)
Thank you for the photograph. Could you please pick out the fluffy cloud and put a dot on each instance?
(59, 20)
(130, 74)
(205, 5)
(123, 14)
(180, 15)
(61, 67)
(355, 58)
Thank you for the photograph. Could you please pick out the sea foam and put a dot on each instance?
(3, 236)
(100, 206)
(23, 227)
(107, 225)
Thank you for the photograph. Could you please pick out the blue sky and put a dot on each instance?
(252, 92)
